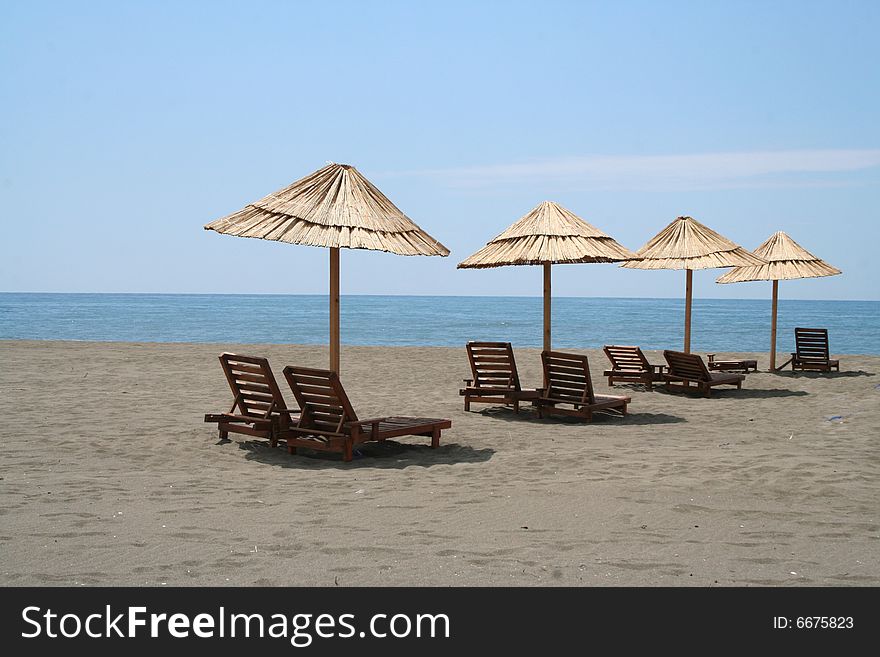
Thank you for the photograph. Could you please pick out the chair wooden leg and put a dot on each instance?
(435, 439)
(291, 449)
(347, 451)
(224, 435)
(467, 403)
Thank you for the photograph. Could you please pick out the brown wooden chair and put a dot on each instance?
(567, 381)
(495, 379)
(261, 408)
(732, 365)
(685, 369)
(328, 422)
(629, 364)
(811, 351)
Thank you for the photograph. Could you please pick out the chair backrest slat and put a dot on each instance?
(627, 358)
(567, 377)
(493, 365)
(324, 406)
(811, 344)
(251, 380)
(686, 366)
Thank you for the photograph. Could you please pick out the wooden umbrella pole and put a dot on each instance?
(773, 326)
(334, 309)
(547, 314)
(689, 291)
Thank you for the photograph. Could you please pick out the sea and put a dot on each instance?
(719, 325)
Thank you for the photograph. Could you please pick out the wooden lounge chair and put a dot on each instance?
(811, 351)
(685, 369)
(261, 408)
(567, 377)
(328, 422)
(732, 365)
(495, 379)
(631, 365)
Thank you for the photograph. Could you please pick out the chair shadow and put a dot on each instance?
(652, 418)
(634, 387)
(530, 415)
(824, 375)
(745, 393)
(386, 454)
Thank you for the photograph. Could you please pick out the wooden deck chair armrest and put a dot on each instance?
(232, 417)
(373, 424)
(372, 420)
(314, 432)
(482, 392)
(289, 411)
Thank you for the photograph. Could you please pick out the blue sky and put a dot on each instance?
(127, 126)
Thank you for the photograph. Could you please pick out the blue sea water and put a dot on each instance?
(723, 325)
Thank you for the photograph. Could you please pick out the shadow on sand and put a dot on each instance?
(387, 454)
(824, 375)
(529, 415)
(745, 393)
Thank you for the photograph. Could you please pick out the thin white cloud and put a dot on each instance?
(668, 172)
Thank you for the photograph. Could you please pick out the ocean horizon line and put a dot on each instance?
(438, 296)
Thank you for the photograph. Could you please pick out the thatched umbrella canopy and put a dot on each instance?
(335, 207)
(687, 244)
(785, 260)
(547, 235)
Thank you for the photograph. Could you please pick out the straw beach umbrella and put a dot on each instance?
(786, 260)
(687, 244)
(547, 235)
(336, 208)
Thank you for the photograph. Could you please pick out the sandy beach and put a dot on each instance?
(111, 477)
